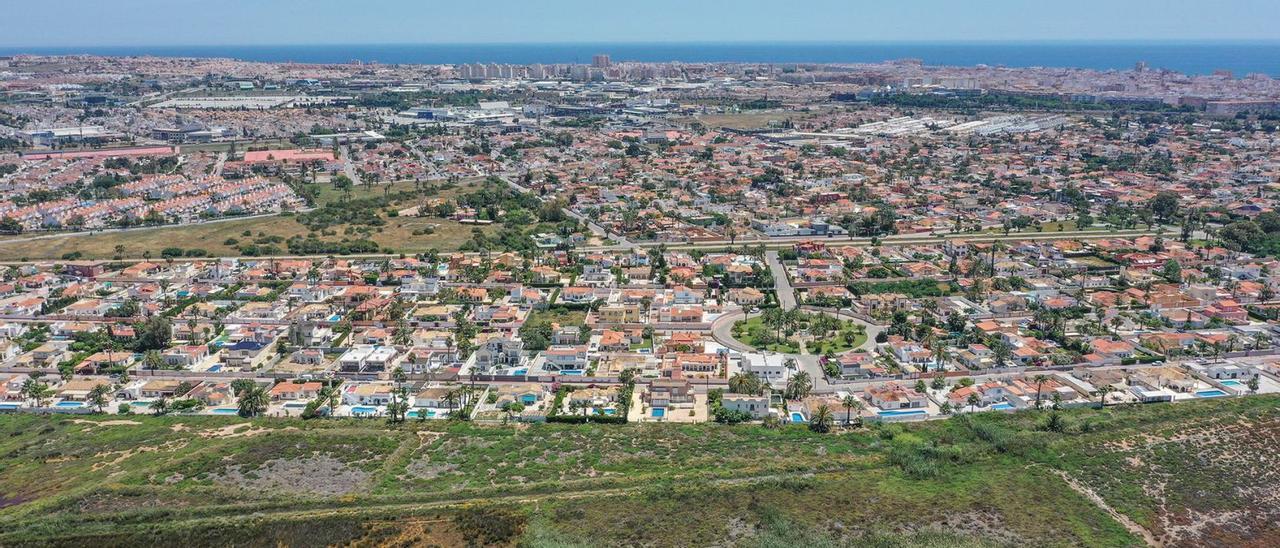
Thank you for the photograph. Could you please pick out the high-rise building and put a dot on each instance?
(600, 61)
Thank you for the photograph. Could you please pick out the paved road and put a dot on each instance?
(217, 165)
(781, 284)
(348, 168)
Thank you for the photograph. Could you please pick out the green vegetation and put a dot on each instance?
(915, 288)
(779, 331)
(989, 479)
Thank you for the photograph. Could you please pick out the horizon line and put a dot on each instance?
(1020, 41)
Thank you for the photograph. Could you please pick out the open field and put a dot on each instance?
(986, 480)
(329, 194)
(397, 234)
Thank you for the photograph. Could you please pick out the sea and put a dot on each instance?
(1240, 58)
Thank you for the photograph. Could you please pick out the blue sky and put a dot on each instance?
(225, 22)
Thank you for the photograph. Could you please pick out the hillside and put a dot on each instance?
(1190, 474)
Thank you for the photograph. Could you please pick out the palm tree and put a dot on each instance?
(35, 389)
(160, 406)
(332, 397)
(744, 383)
(253, 402)
(821, 420)
(98, 396)
(799, 386)
(973, 401)
(851, 402)
(1040, 380)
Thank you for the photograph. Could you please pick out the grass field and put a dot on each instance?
(985, 480)
(398, 234)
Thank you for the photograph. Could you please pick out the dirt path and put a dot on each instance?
(1124, 520)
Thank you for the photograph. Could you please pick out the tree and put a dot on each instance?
(152, 359)
(1171, 271)
(1000, 351)
(850, 403)
(822, 420)
(744, 383)
(938, 383)
(98, 396)
(973, 401)
(799, 386)
(1165, 205)
(160, 406)
(252, 402)
(36, 390)
(1040, 380)
(154, 333)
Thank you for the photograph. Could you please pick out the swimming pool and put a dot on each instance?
(335, 317)
(797, 416)
(1210, 393)
(8, 406)
(225, 411)
(363, 410)
(1002, 405)
(658, 412)
(520, 372)
(295, 405)
(1232, 382)
(215, 368)
(574, 372)
(69, 404)
(415, 414)
(903, 413)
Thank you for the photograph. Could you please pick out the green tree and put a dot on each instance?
(252, 402)
(98, 396)
(1165, 205)
(154, 334)
(822, 420)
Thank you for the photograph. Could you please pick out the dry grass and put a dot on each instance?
(397, 235)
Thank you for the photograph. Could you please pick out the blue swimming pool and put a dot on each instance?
(574, 372)
(415, 414)
(1232, 382)
(69, 404)
(520, 372)
(903, 413)
(8, 406)
(609, 411)
(215, 368)
(363, 410)
(225, 411)
(1002, 405)
(335, 317)
(658, 412)
(138, 403)
(1210, 393)
(797, 416)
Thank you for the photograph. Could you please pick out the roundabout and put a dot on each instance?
(798, 332)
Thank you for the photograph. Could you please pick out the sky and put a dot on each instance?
(53, 23)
